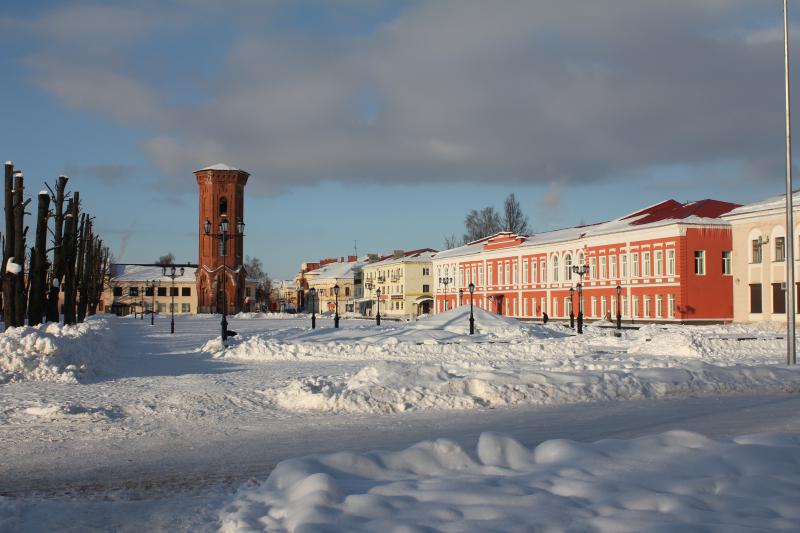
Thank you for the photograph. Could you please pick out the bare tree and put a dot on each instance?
(451, 241)
(480, 224)
(166, 260)
(255, 271)
(514, 220)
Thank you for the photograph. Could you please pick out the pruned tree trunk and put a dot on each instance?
(8, 250)
(19, 249)
(57, 273)
(70, 249)
(38, 275)
(84, 266)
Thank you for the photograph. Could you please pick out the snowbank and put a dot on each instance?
(674, 481)
(457, 321)
(389, 387)
(270, 316)
(54, 352)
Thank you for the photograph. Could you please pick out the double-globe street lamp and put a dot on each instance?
(224, 236)
(336, 313)
(471, 316)
(572, 308)
(619, 308)
(312, 295)
(445, 281)
(581, 271)
(152, 284)
(172, 274)
(378, 314)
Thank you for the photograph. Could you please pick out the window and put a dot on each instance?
(593, 309)
(659, 263)
(148, 291)
(133, 291)
(603, 268)
(426, 288)
(613, 304)
(755, 298)
(593, 268)
(727, 268)
(647, 271)
(173, 291)
(757, 251)
(162, 308)
(635, 307)
(534, 273)
(516, 274)
(507, 276)
(543, 271)
(779, 298)
(555, 306)
(670, 262)
(426, 271)
(117, 291)
(671, 305)
(635, 268)
(223, 206)
(567, 306)
(659, 306)
(624, 309)
(603, 309)
(347, 291)
(555, 268)
(173, 308)
(624, 260)
(525, 272)
(490, 280)
(700, 262)
(647, 307)
(186, 291)
(780, 248)
(613, 261)
(162, 291)
(186, 308)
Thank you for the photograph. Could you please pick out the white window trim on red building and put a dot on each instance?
(665, 227)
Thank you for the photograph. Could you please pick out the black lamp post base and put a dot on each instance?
(336, 321)
(224, 325)
(580, 323)
(313, 322)
(471, 324)
(572, 321)
(172, 326)
(378, 319)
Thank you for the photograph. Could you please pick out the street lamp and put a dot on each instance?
(619, 309)
(173, 273)
(336, 314)
(580, 271)
(571, 308)
(153, 285)
(445, 281)
(378, 314)
(471, 317)
(224, 236)
(142, 304)
(312, 294)
(460, 297)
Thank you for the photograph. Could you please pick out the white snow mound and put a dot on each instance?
(457, 321)
(674, 481)
(54, 352)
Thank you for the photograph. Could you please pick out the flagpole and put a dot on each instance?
(791, 356)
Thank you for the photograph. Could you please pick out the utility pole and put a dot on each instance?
(791, 355)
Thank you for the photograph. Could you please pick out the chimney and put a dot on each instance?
(352, 258)
(341, 259)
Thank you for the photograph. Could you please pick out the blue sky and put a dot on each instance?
(385, 122)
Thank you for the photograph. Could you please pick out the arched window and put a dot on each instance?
(223, 206)
(568, 267)
(555, 268)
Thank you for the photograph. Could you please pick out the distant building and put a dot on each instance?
(325, 278)
(759, 259)
(130, 289)
(670, 260)
(406, 283)
(284, 296)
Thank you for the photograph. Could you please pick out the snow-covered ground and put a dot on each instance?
(119, 416)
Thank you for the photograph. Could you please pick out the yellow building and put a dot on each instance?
(405, 282)
(323, 280)
(133, 288)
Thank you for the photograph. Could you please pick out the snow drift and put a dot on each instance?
(54, 352)
(674, 481)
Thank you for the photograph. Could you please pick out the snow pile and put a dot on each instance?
(388, 387)
(673, 481)
(457, 321)
(54, 352)
(270, 316)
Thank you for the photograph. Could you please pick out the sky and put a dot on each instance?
(376, 125)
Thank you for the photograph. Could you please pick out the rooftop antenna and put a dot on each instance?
(355, 249)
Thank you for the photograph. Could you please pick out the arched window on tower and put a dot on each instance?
(223, 206)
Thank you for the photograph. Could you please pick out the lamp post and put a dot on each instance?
(471, 317)
(224, 236)
(336, 313)
(572, 307)
(580, 271)
(312, 294)
(153, 285)
(445, 281)
(142, 304)
(173, 273)
(460, 297)
(378, 314)
(619, 308)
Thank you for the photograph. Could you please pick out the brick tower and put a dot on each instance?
(221, 198)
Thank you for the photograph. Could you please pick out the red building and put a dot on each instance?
(671, 262)
(221, 199)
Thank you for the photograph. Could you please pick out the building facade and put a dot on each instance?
(136, 288)
(759, 259)
(671, 261)
(324, 279)
(221, 276)
(406, 283)
(284, 296)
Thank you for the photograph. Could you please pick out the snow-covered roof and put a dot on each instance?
(773, 202)
(121, 272)
(338, 270)
(703, 212)
(414, 256)
(218, 166)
